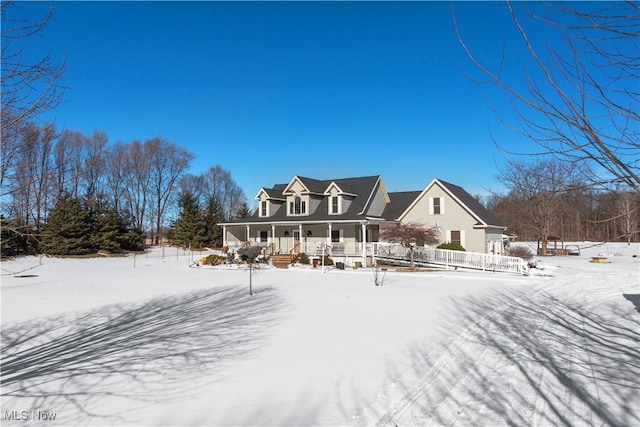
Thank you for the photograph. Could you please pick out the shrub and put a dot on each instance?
(302, 258)
(327, 260)
(213, 260)
(520, 251)
(249, 253)
(451, 246)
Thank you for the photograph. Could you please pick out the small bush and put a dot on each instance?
(327, 260)
(524, 252)
(249, 253)
(213, 260)
(451, 246)
(302, 258)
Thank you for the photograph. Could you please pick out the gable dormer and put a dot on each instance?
(338, 200)
(269, 202)
(297, 197)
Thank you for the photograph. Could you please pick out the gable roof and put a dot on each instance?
(472, 204)
(310, 184)
(399, 202)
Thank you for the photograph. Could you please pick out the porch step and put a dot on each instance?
(281, 260)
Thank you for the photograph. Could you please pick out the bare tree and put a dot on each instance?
(69, 162)
(94, 165)
(628, 220)
(137, 182)
(28, 88)
(116, 173)
(220, 185)
(168, 163)
(580, 98)
(31, 184)
(539, 187)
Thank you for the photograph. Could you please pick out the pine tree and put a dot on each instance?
(243, 212)
(69, 230)
(190, 227)
(115, 232)
(212, 217)
(13, 239)
(131, 238)
(107, 227)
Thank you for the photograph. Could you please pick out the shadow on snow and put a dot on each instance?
(132, 351)
(538, 360)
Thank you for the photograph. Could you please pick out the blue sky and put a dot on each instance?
(276, 89)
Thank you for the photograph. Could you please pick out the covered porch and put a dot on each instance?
(348, 242)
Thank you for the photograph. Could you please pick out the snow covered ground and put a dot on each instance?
(152, 341)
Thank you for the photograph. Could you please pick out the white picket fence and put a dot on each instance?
(396, 253)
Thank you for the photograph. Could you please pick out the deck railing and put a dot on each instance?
(396, 253)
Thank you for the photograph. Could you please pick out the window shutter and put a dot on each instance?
(447, 238)
(442, 205)
(430, 205)
(462, 240)
(341, 236)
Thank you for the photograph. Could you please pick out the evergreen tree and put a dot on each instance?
(69, 230)
(243, 212)
(14, 238)
(190, 227)
(107, 227)
(115, 232)
(213, 215)
(131, 238)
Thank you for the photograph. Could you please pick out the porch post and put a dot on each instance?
(224, 235)
(364, 244)
(273, 239)
(300, 248)
(329, 236)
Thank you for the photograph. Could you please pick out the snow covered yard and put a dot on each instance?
(151, 341)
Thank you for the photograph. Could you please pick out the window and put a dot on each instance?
(436, 206)
(334, 205)
(335, 235)
(264, 236)
(297, 207)
(263, 208)
(455, 237)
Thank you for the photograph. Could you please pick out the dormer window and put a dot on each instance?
(263, 208)
(335, 204)
(297, 206)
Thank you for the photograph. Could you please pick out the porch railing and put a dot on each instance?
(310, 247)
(449, 259)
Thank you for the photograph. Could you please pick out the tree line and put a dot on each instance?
(137, 183)
(549, 199)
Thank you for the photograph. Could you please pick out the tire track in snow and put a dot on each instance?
(460, 346)
(447, 411)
